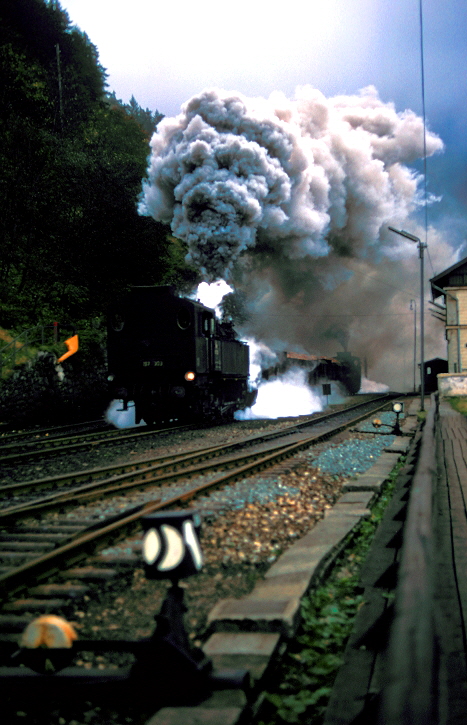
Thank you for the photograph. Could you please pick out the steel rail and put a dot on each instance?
(7, 437)
(89, 474)
(165, 469)
(91, 440)
(135, 465)
(18, 453)
(73, 551)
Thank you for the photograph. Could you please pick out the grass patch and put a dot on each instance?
(302, 686)
(459, 404)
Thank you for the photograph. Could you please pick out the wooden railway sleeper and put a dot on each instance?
(160, 661)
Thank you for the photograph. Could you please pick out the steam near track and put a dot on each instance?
(289, 201)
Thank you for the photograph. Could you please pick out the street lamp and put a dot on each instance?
(414, 308)
(421, 247)
(398, 409)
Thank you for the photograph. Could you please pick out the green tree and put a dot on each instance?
(71, 168)
(146, 118)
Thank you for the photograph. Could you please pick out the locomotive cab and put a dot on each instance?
(173, 358)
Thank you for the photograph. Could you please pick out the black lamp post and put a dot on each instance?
(171, 550)
(414, 302)
(397, 408)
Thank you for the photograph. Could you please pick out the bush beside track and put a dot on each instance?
(32, 393)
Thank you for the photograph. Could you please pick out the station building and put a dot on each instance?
(451, 285)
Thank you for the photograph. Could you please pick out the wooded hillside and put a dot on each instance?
(71, 163)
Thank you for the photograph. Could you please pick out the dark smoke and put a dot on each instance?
(289, 201)
(340, 333)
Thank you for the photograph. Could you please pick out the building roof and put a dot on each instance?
(455, 276)
(309, 358)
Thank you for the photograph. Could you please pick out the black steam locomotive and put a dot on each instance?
(174, 359)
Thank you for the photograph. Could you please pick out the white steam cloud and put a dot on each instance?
(230, 172)
(212, 294)
(289, 202)
(121, 418)
(284, 397)
(370, 386)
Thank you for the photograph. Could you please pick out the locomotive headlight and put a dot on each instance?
(190, 376)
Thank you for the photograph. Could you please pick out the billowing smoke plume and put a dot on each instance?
(289, 201)
(303, 177)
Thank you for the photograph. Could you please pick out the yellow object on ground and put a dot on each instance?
(48, 631)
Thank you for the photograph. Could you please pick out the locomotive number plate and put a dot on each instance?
(152, 363)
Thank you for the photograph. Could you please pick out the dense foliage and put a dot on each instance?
(72, 159)
(146, 118)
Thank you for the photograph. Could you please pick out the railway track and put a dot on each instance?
(28, 446)
(119, 477)
(60, 576)
(37, 552)
(12, 454)
(9, 437)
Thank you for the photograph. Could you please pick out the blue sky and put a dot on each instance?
(165, 53)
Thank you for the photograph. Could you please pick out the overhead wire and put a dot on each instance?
(337, 314)
(381, 281)
(422, 67)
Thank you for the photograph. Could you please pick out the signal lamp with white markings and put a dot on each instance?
(398, 409)
(171, 548)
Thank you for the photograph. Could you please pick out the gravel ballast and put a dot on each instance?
(245, 527)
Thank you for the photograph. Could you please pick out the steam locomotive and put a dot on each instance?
(174, 359)
(345, 369)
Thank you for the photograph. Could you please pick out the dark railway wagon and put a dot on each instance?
(345, 368)
(174, 359)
